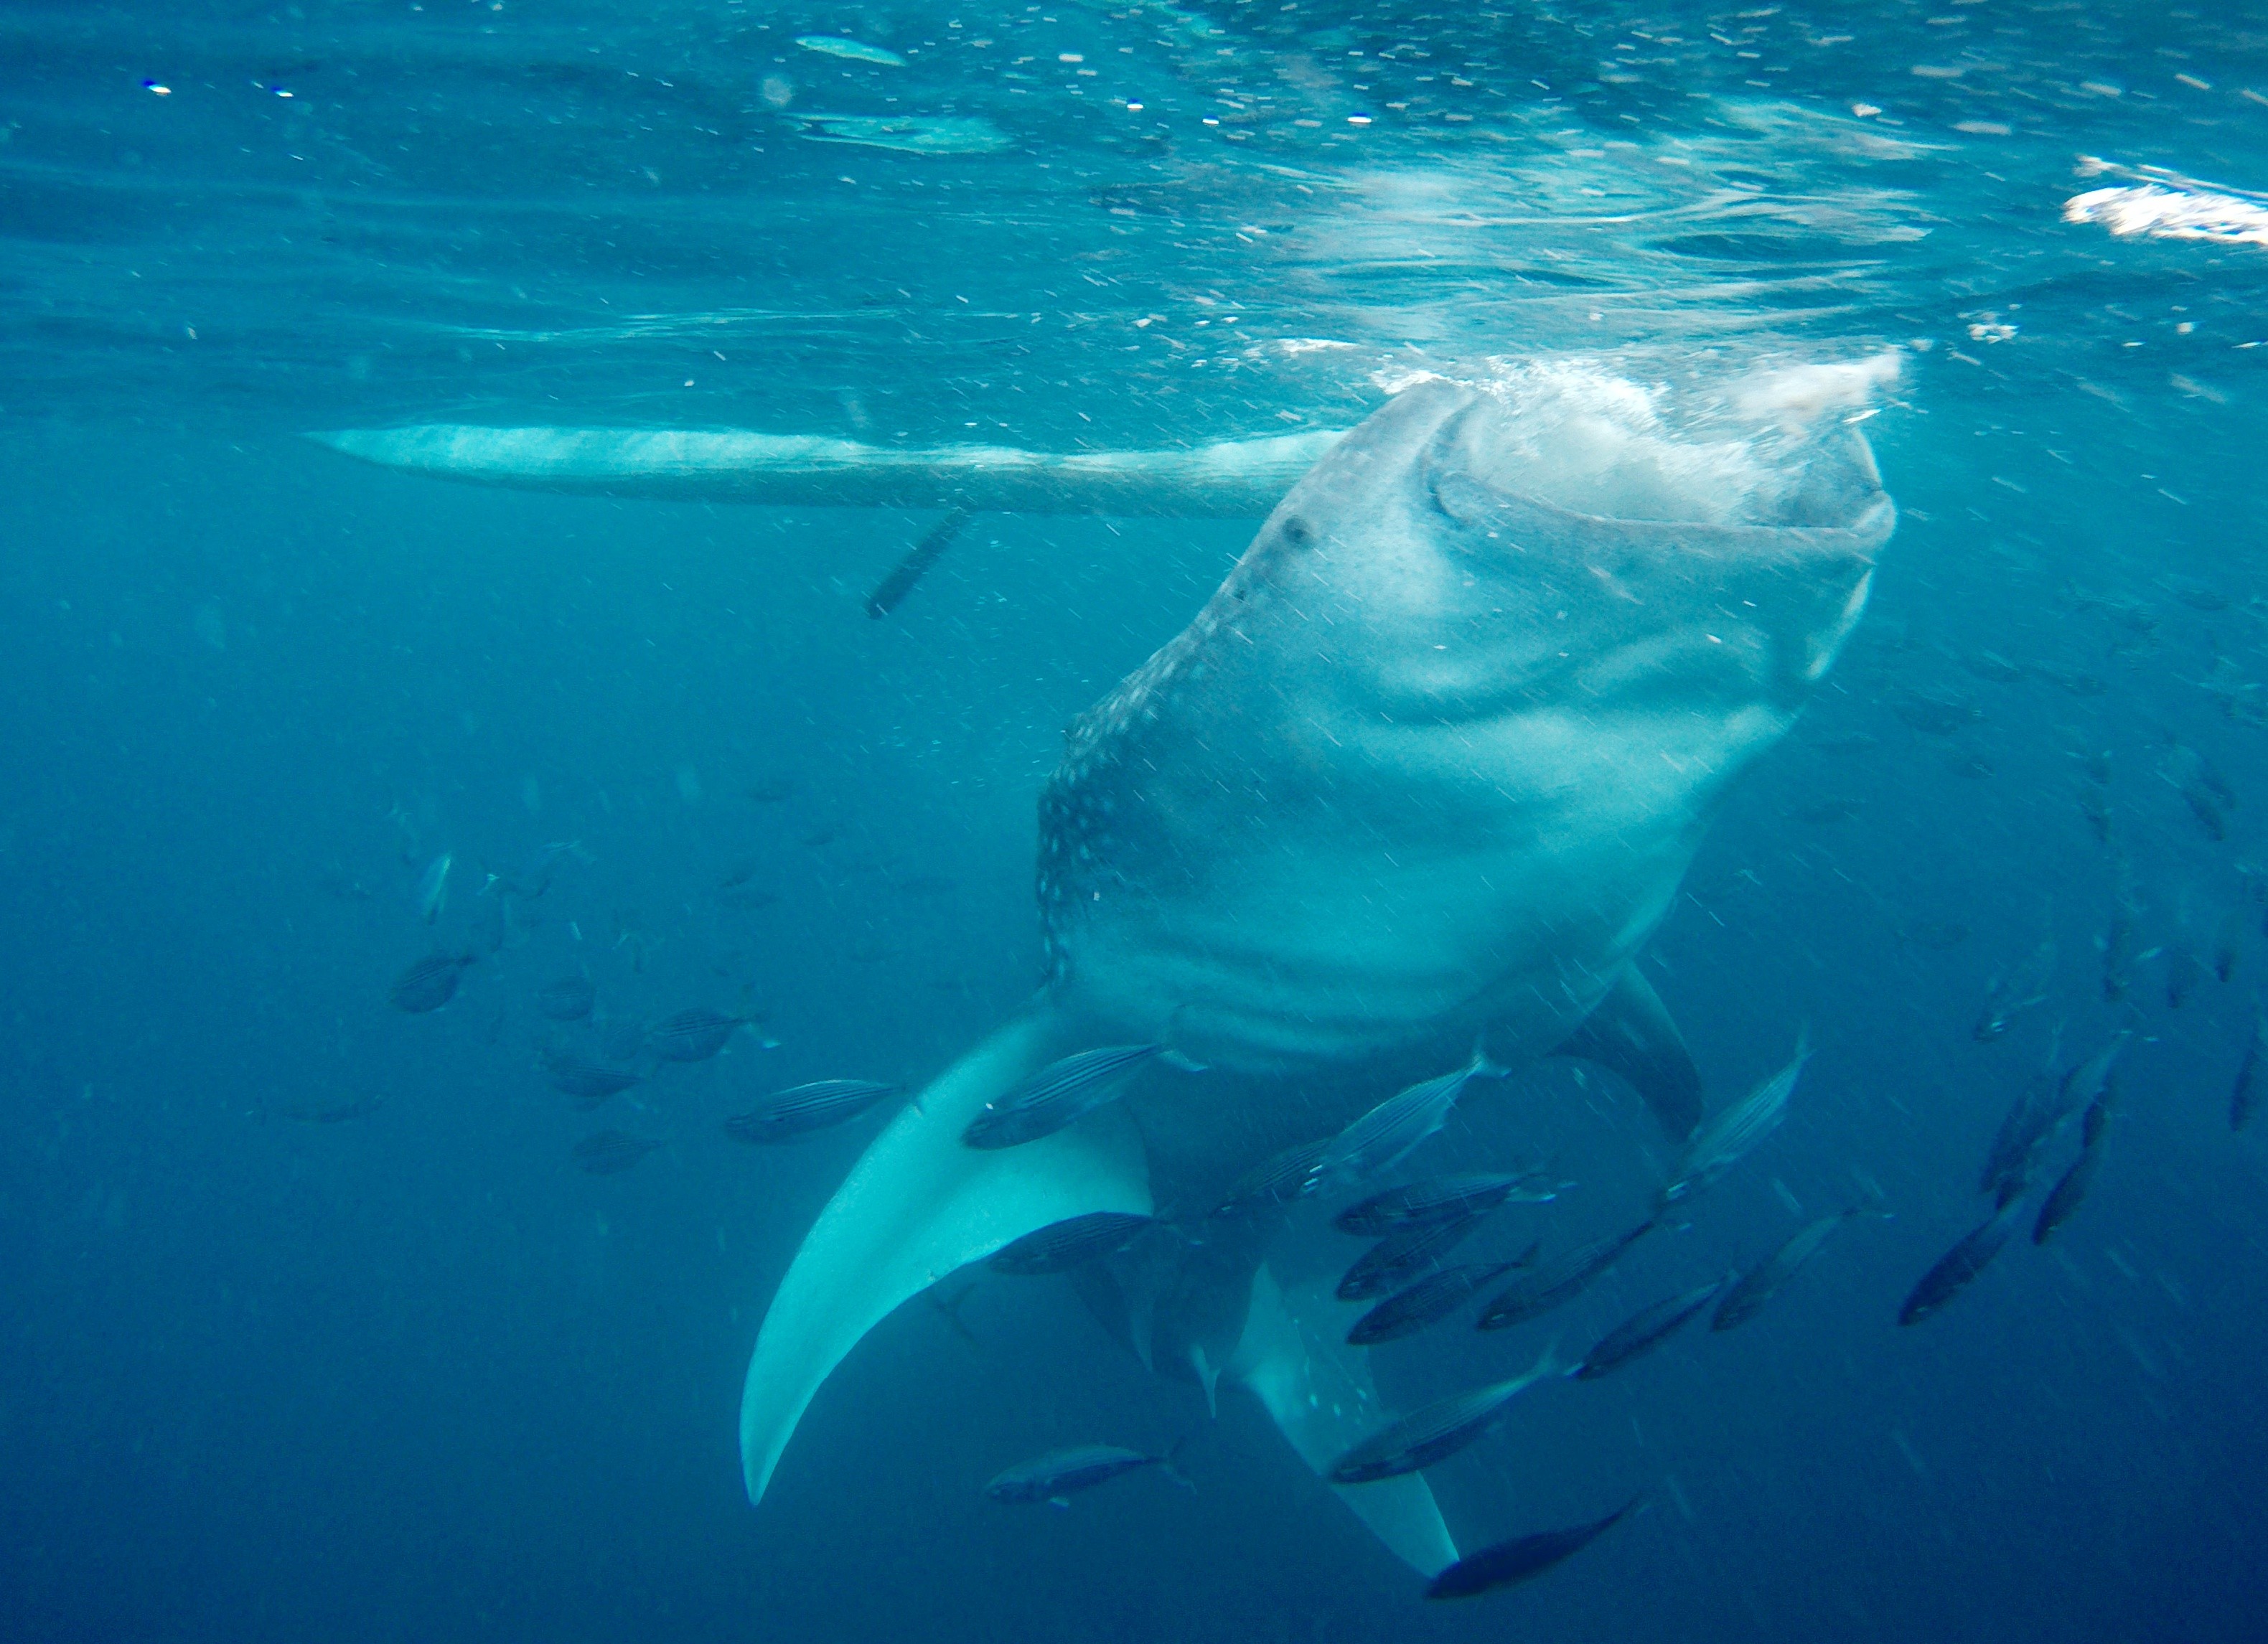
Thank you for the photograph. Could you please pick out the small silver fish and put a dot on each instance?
(2183, 975)
(1440, 1199)
(2116, 944)
(1522, 1558)
(804, 1108)
(1279, 1180)
(1440, 1429)
(849, 50)
(693, 1035)
(2228, 944)
(1725, 1141)
(588, 1082)
(1644, 1331)
(621, 1039)
(1562, 1282)
(1428, 1301)
(1953, 1270)
(1072, 1242)
(2203, 788)
(2044, 1109)
(2063, 1199)
(2245, 1096)
(331, 1113)
(433, 887)
(1061, 1474)
(1760, 1284)
(1058, 1095)
(1399, 1257)
(429, 983)
(2034, 1113)
(1388, 1134)
(2016, 991)
(570, 999)
(611, 1152)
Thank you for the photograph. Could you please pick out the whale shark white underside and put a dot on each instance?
(1425, 772)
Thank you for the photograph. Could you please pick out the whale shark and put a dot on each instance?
(1415, 786)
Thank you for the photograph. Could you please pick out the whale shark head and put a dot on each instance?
(1432, 759)
(1424, 771)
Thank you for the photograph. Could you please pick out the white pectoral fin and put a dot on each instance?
(1294, 1359)
(918, 1205)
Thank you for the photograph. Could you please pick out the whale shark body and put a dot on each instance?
(1424, 774)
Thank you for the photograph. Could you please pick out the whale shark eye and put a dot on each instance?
(1295, 533)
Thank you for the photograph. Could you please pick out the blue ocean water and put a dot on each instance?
(312, 1324)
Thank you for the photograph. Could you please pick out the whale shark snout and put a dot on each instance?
(1422, 775)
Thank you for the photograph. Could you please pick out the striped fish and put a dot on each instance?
(1440, 1429)
(1280, 1180)
(1726, 1139)
(1644, 1331)
(1522, 1558)
(570, 999)
(1428, 1301)
(1059, 1094)
(611, 1152)
(588, 1082)
(1062, 1245)
(2245, 1096)
(2063, 1199)
(1562, 1282)
(1062, 1473)
(1440, 1199)
(693, 1035)
(1400, 1256)
(429, 983)
(1387, 1135)
(804, 1108)
(1963, 1262)
(1762, 1282)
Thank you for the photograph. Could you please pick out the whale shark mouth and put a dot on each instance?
(1580, 435)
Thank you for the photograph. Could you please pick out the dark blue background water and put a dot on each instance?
(415, 1375)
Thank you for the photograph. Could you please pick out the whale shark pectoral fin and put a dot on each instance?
(917, 1205)
(1630, 1033)
(1294, 1359)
